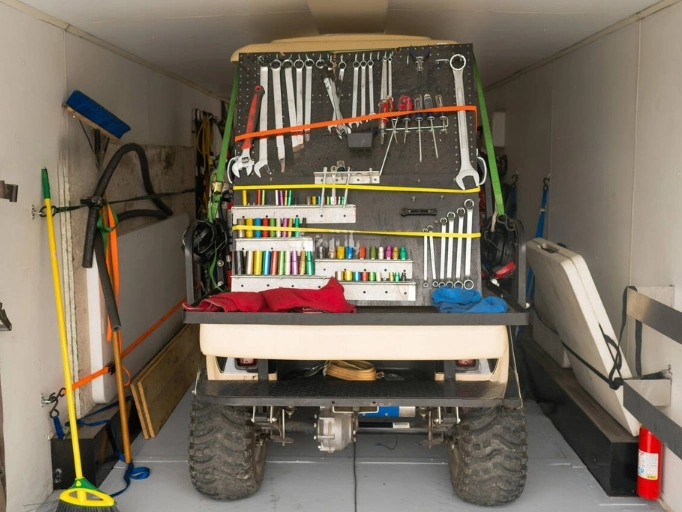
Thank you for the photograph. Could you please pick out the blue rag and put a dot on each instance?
(459, 300)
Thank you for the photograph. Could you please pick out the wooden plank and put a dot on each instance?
(160, 386)
(144, 420)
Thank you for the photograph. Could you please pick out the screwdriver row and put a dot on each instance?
(274, 263)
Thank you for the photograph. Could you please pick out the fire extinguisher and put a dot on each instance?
(649, 465)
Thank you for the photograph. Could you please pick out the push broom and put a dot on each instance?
(82, 495)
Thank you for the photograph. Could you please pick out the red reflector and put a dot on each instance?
(246, 362)
(465, 362)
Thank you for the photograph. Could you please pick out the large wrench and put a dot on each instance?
(426, 259)
(298, 66)
(276, 67)
(451, 230)
(384, 84)
(296, 138)
(245, 161)
(341, 129)
(468, 282)
(263, 125)
(466, 170)
(370, 66)
(356, 67)
(390, 75)
(458, 265)
(433, 256)
(443, 224)
(363, 88)
(308, 92)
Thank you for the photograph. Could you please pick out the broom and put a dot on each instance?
(82, 494)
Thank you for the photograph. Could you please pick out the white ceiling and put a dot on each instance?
(195, 38)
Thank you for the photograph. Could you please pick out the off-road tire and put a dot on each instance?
(226, 454)
(488, 456)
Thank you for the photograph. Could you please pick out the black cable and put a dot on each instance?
(388, 447)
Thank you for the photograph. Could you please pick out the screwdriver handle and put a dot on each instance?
(439, 102)
(428, 103)
(418, 105)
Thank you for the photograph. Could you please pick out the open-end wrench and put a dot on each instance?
(466, 170)
(296, 138)
(341, 129)
(356, 67)
(245, 161)
(390, 76)
(433, 256)
(458, 265)
(308, 93)
(468, 282)
(370, 68)
(384, 83)
(426, 260)
(298, 66)
(363, 87)
(443, 226)
(451, 230)
(276, 68)
(262, 162)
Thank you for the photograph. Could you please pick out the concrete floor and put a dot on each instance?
(369, 477)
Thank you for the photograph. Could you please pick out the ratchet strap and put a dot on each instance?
(539, 232)
(490, 150)
(352, 370)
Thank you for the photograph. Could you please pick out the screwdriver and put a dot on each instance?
(383, 105)
(428, 103)
(418, 107)
(443, 117)
(405, 104)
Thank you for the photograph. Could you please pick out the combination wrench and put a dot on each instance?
(298, 66)
(356, 67)
(341, 129)
(342, 70)
(468, 282)
(466, 170)
(433, 256)
(370, 67)
(458, 265)
(443, 225)
(363, 87)
(276, 68)
(390, 75)
(296, 138)
(384, 83)
(308, 93)
(451, 230)
(426, 261)
(263, 125)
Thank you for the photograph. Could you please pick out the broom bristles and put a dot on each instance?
(68, 507)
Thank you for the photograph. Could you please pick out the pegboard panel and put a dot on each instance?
(375, 210)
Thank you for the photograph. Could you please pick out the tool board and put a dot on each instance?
(367, 209)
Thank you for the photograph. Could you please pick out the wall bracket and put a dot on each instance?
(8, 191)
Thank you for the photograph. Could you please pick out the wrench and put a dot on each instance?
(342, 70)
(433, 256)
(468, 283)
(356, 66)
(341, 129)
(384, 83)
(363, 98)
(443, 223)
(298, 66)
(426, 263)
(263, 125)
(458, 265)
(276, 68)
(370, 66)
(466, 170)
(451, 230)
(390, 75)
(245, 161)
(296, 138)
(308, 92)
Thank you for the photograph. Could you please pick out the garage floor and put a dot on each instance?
(383, 472)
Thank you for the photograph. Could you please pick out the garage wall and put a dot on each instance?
(606, 120)
(43, 64)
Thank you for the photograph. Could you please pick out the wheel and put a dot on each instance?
(226, 454)
(489, 455)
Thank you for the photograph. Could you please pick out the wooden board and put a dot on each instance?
(158, 388)
(576, 309)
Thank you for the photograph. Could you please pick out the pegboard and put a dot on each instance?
(375, 210)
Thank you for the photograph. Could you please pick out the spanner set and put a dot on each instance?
(376, 144)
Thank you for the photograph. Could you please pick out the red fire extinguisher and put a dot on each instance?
(649, 465)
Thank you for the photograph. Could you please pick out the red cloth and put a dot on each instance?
(328, 299)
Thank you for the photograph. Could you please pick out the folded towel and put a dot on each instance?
(459, 300)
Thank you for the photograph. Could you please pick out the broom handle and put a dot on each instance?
(71, 403)
(123, 410)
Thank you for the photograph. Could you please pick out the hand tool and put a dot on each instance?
(406, 212)
(419, 59)
(356, 66)
(363, 87)
(245, 161)
(296, 138)
(383, 107)
(443, 117)
(341, 129)
(426, 240)
(386, 106)
(276, 68)
(308, 93)
(298, 66)
(324, 185)
(370, 68)
(384, 83)
(319, 63)
(466, 169)
(468, 282)
(451, 230)
(458, 265)
(443, 225)
(433, 257)
(342, 70)
(405, 103)
(263, 125)
(390, 75)
(428, 103)
(418, 115)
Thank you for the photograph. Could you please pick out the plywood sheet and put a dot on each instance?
(580, 319)
(151, 264)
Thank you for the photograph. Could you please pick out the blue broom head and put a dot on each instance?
(96, 113)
